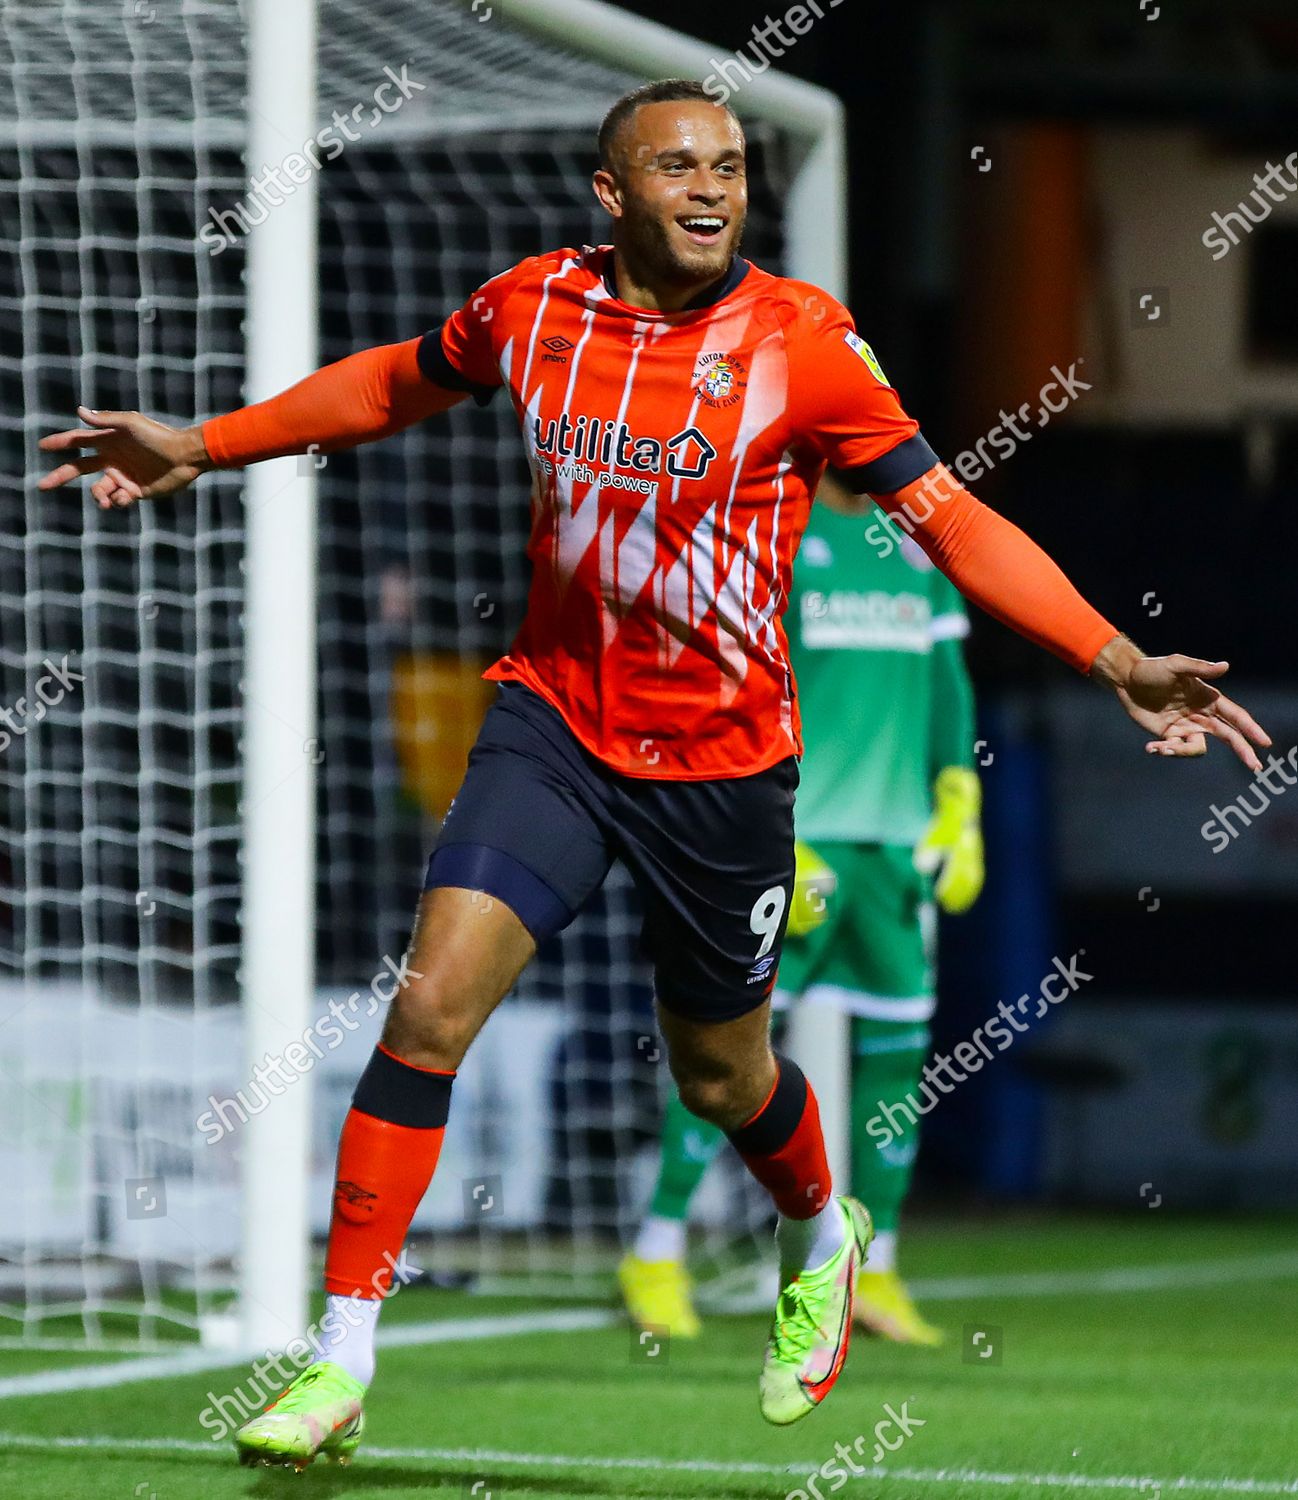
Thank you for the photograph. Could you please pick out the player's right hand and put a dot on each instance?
(140, 459)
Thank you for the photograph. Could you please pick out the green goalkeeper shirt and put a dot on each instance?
(874, 636)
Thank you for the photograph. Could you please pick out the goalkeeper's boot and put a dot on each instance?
(320, 1413)
(658, 1296)
(884, 1308)
(812, 1326)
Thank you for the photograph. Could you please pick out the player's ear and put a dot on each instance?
(607, 191)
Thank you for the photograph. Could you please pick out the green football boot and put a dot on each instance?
(319, 1413)
(813, 1325)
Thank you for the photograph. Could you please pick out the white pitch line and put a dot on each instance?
(1169, 1276)
(467, 1330)
(1117, 1279)
(487, 1457)
(200, 1361)
(119, 1372)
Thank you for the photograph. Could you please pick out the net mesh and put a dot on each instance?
(119, 878)
(119, 659)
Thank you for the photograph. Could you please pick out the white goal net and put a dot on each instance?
(465, 143)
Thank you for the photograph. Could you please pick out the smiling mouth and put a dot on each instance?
(703, 229)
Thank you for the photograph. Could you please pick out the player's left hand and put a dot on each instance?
(1172, 698)
(953, 842)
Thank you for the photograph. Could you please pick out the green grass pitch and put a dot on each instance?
(1143, 1356)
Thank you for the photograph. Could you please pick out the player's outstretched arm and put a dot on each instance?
(360, 399)
(1004, 572)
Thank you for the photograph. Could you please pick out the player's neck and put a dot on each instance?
(638, 290)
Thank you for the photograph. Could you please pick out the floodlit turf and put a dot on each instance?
(1136, 1387)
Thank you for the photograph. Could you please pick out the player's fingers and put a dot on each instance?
(103, 490)
(105, 418)
(1228, 709)
(1180, 746)
(56, 477)
(124, 482)
(1193, 666)
(75, 437)
(74, 469)
(1221, 730)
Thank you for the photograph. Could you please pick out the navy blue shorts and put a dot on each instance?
(538, 821)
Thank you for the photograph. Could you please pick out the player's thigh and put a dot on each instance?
(519, 853)
(527, 826)
(714, 864)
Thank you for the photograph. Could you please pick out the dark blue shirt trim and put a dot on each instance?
(435, 366)
(893, 470)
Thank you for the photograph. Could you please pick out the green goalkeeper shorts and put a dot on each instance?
(873, 954)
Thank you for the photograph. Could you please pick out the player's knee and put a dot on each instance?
(430, 1025)
(718, 1099)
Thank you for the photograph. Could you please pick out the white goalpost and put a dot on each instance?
(277, 975)
(218, 834)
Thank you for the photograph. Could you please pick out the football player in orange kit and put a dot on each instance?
(678, 406)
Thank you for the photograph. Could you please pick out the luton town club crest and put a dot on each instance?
(720, 379)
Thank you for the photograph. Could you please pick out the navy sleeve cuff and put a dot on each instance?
(892, 471)
(435, 366)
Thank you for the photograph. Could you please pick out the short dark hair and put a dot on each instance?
(663, 91)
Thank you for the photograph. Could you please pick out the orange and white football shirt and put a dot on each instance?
(674, 457)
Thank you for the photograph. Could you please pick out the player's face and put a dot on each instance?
(681, 193)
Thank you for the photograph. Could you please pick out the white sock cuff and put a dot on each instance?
(346, 1335)
(660, 1239)
(806, 1244)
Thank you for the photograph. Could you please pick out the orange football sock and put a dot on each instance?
(387, 1153)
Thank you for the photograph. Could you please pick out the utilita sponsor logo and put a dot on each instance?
(597, 440)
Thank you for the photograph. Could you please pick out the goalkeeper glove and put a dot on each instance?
(814, 883)
(952, 844)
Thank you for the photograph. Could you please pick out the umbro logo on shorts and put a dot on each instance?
(762, 968)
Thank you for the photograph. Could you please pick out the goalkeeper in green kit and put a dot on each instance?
(887, 818)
